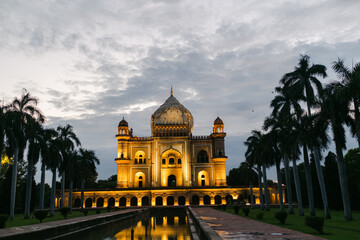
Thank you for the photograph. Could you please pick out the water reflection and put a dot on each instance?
(157, 227)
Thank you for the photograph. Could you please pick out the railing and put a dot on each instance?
(201, 138)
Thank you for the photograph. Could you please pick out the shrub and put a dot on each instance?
(109, 208)
(260, 215)
(219, 206)
(316, 223)
(40, 215)
(246, 211)
(64, 211)
(281, 216)
(236, 209)
(84, 211)
(3, 219)
(223, 206)
(98, 211)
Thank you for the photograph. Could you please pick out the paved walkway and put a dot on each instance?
(230, 226)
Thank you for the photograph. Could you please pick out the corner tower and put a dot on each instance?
(123, 156)
(218, 150)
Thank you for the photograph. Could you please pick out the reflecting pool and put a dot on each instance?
(166, 223)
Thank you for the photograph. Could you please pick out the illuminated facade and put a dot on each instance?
(171, 167)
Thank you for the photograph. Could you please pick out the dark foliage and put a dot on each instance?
(236, 209)
(64, 211)
(246, 211)
(316, 223)
(3, 219)
(85, 211)
(281, 216)
(40, 215)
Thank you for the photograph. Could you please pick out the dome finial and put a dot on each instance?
(172, 93)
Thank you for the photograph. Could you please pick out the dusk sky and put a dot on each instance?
(92, 62)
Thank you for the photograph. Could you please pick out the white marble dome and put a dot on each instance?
(172, 112)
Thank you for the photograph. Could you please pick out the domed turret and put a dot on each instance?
(172, 119)
(123, 123)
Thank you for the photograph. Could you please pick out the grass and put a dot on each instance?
(335, 228)
(20, 221)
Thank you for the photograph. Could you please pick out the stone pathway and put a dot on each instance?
(230, 226)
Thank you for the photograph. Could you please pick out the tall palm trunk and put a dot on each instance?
(288, 185)
(357, 121)
(267, 207)
(308, 181)
(320, 176)
(321, 183)
(82, 192)
(13, 184)
(62, 202)
(298, 188)
(42, 187)
(28, 188)
(278, 173)
(53, 189)
(70, 195)
(251, 195)
(260, 188)
(343, 182)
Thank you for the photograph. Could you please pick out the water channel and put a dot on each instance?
(158, 223)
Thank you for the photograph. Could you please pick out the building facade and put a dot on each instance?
(170, 167)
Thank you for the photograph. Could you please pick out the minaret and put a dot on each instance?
(123, 159)
(218, 150)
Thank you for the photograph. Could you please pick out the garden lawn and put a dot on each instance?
(335, 228)
(20, 221)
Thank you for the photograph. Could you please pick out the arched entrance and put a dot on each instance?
(195, 200)
(77, 202)
(122, 201)
(207, 200)
(172, 181)
(100, 202)
(228, 199)
(170, 201)
(181, 200)
(88, 203)
(111, 202)
(133, 201)
(217, 199)
(159, 201)
(145, 201)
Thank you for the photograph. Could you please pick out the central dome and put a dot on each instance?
(173, 113)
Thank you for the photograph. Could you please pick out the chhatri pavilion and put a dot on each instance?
(171, 167)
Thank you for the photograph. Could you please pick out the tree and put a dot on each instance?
(301, 80)
(67, 140)
(48, 136)
(334, 109)
(25, 112)
(72, 169)
(256, 154)
(352, 161)
(86, 163)
(351, 81)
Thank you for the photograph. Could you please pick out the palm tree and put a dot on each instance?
(335, 109)
(3, 126)
(34, 133)
(25, 112)
(281, 126)
(48, 137)
(253, 157)
(53, 157)
(351, 80)
(72, 169)
(68, 140)
(86, 161)
(249, 175)
(301, 80)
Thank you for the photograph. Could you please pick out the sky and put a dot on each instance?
(91, 63)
